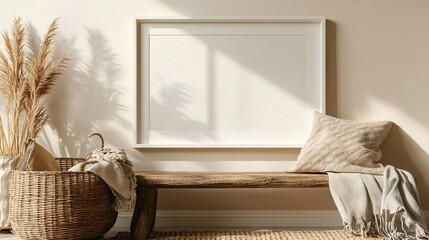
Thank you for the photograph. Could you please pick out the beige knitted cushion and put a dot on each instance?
(338, 145)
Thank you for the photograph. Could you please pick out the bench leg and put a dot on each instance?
(144, 213)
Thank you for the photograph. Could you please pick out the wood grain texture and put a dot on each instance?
(230, 180)
(144, 215)
(148, 183)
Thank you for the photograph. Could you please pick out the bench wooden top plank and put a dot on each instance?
(230, 180)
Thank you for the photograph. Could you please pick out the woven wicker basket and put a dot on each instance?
(60, 205)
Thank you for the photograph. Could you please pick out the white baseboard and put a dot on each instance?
(197, 219)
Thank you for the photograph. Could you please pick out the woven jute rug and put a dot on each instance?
(248, 235)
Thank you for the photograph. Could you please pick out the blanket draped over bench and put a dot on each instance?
(385, 205)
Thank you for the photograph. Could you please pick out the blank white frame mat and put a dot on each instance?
(228, 83)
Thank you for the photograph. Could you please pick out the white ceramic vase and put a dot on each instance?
(7, 163)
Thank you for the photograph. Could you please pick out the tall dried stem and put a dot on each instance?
(43, 74)
(23, 84)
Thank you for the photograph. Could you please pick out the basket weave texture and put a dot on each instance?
(60, 205)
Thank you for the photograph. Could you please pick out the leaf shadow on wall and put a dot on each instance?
(86, 98)
(168, 113)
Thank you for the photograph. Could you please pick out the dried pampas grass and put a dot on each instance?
(24, 81)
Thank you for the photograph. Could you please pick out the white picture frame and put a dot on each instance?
(227, 82)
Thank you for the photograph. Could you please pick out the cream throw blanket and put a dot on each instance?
(385, 205)
(116, 170)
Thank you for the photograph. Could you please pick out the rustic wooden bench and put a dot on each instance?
(148, 183)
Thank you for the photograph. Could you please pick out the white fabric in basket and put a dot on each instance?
(116, 170)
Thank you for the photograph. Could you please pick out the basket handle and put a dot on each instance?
(99, 135)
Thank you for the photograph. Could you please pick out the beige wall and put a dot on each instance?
(377, 69)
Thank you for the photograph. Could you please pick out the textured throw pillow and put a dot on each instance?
(338, 145)
(37, 158)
